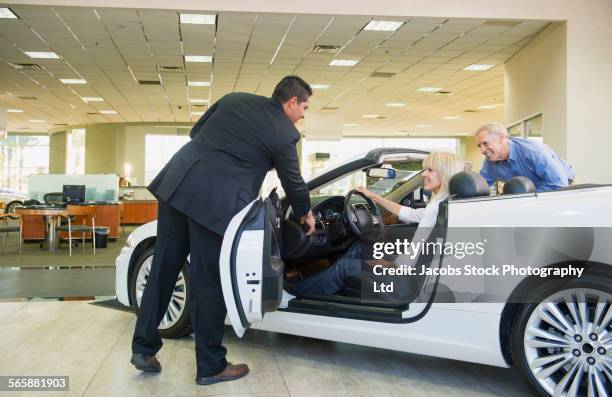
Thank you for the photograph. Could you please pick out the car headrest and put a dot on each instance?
(519, 184)
(468, 184)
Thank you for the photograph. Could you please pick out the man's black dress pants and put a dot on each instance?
(177, 237)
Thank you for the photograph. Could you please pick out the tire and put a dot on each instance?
(563, 343)
(176, 322)
(10, 207)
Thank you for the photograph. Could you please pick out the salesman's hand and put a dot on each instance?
(309, 220)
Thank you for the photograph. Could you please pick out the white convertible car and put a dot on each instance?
(556, 329)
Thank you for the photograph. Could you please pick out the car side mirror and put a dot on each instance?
(384, 173)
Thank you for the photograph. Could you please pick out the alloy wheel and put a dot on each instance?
(177, 301)
(568, 343)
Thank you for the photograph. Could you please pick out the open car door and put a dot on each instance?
(251, 267)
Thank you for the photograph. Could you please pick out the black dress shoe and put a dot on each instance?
(146, 363)
(231, 372)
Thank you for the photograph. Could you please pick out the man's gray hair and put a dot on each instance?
(494, 128)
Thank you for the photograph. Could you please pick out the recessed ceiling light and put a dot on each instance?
(198, 83)
(194, 100)
(73, 81)
(198, 58)
(343, 62)
(92, 99)
(108, 112)
(395, 104)
(7, 13)
(429, 89)
(422, 126)
(319, 86)
(37, 121)
(351, 125)
(42, 54)
(197, 113)
(450, 117)
(370, 116)
(388, 26)
(14, 111)
(478, 67)
(198, 19)
(490, 106)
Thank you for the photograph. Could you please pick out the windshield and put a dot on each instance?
(340, 187)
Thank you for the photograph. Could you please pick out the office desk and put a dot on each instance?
(107, 215)
(49, 214)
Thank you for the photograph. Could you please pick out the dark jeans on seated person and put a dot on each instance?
(331, 280)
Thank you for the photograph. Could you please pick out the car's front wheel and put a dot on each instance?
(563, 344)
(176, 322)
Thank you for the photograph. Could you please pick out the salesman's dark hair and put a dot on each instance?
(291, 86)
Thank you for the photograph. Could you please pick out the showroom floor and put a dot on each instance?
(91, 345)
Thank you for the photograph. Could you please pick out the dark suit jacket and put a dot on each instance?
(234, 144)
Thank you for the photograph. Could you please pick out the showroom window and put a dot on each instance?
(530, 128)
(75, 152)
(21, 156)
(158, 151)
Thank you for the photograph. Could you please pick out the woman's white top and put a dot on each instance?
(425, 217)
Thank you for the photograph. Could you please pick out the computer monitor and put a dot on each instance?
(74, 194)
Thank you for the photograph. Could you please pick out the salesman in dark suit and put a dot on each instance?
(210, 179)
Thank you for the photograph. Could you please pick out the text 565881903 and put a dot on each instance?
(34, 383)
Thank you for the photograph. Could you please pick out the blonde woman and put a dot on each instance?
(438, 169)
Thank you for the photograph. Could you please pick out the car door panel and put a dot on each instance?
(251, 268)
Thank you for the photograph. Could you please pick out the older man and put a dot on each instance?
(507, 157)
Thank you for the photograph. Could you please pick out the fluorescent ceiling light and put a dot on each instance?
(370, 116)
(343, 62)
(193, 100)
(198, 19)
(450, 118)
(490, 106)
(198, 58)
(108, 112)
(478, 67)
(198, 83)
(351, 125)
(92, 99)
(429, 89)
(42, 54)
(319, 86)
(395, 104)
(422, 126)
(37, 121)
(73, 81)
(197, 113)
(388, 26)
(7, 13)
(14, 111)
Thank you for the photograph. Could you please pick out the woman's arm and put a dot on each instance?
(389, 205)
(405, 214)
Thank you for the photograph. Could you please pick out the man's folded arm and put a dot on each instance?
(288, 171)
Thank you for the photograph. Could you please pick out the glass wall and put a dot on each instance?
(158, 151)
(21, 156)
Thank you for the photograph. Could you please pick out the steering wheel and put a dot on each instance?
(366, 223)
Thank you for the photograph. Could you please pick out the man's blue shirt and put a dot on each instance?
(534, 160)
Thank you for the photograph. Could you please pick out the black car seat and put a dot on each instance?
(519, 185)
(468, 184)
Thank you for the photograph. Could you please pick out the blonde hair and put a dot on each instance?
(446, 164)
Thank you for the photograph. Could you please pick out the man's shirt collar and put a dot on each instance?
(512, 153)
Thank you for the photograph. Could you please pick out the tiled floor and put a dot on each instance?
(91, 345)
